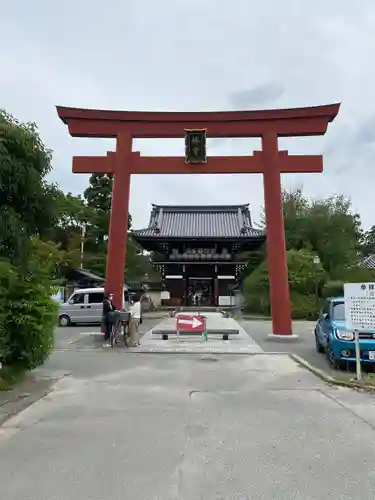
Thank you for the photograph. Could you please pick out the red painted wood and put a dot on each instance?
(92, 165)
(328, 111)
(276, 251)
(118, 227)
(268, 124)
(158, 130)
(216, 165)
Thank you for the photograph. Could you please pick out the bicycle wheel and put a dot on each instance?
(113, 336)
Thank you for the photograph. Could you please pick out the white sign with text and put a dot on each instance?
(359, 306)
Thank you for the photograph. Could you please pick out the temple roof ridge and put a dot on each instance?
(201, 208)
(200, 221)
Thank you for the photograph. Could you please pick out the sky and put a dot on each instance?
(198, 55)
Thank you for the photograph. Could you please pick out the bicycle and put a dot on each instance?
(115, 333)
(121, 320)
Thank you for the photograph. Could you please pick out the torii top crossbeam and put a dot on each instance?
(286, 122)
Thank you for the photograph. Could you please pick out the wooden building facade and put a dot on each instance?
(200, 251)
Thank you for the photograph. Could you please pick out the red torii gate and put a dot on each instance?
(268, 124)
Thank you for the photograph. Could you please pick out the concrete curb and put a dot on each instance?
(131, 351)
(328, 378)
(239, 317)
(20, 402)
(155, 316)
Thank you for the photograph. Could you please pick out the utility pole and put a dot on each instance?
(83, 234)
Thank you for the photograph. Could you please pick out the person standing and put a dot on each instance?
(108, 308)
(135, 320)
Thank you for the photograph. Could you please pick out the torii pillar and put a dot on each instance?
(268, 124)
(118, 225)
(276, 249)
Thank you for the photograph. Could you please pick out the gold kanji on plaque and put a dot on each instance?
(195, 146)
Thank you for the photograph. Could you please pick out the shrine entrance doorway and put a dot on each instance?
(200, 292)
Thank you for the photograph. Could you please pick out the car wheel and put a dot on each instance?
(333, 362)
(64, 320)
(318, 345)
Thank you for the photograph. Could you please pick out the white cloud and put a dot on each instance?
(194, 55)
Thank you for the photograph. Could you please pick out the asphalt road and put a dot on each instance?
(123, 424)
(304, 346)
(84, 336)
(188, 427)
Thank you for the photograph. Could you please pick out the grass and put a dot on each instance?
(10, 376)
(368, 378)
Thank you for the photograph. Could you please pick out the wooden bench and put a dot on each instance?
(187, 333)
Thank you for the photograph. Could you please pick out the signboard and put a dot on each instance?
(165, 295)
(190, 323)
(195, 146)
(359, 306)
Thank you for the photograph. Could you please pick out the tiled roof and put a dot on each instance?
(369, 262)
(205, 221)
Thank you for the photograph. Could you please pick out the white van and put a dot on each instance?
(85, 305)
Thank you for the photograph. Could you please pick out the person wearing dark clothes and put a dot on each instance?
(107, 308)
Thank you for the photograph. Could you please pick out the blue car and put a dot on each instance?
(336, 341)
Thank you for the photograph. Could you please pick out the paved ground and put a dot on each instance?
(304, 346)
(187, 427)
(89, 336)
(239, 341)
(39, 382)
(150, 426)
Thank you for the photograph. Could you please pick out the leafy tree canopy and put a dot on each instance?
(28, 203)
(368, 242)
(327, 227)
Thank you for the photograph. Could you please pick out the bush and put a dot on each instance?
(333, 289)
(355, 274)
(256, 291)
(27, 317)
(304, 306)
(305, 279)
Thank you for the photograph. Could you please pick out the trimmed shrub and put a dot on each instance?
(305, 279)
(333, 289)
(304, 306)
(28, 317)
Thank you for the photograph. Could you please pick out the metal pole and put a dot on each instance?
(357, 355)
(83, 233)
(178, 335)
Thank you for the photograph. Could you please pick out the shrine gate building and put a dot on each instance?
(200, 251)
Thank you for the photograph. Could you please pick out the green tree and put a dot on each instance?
(334, 232)
(28, 265)
(138, 263)
(306, 278)
(28, 203)
(73, 214)
(324, 228)
(327, 227)
(98, 197)
(368, 242)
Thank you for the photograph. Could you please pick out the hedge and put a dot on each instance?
(28, 318)
(305, 277)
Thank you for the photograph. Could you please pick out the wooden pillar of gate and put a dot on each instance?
(276, 250)
(118, 226)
